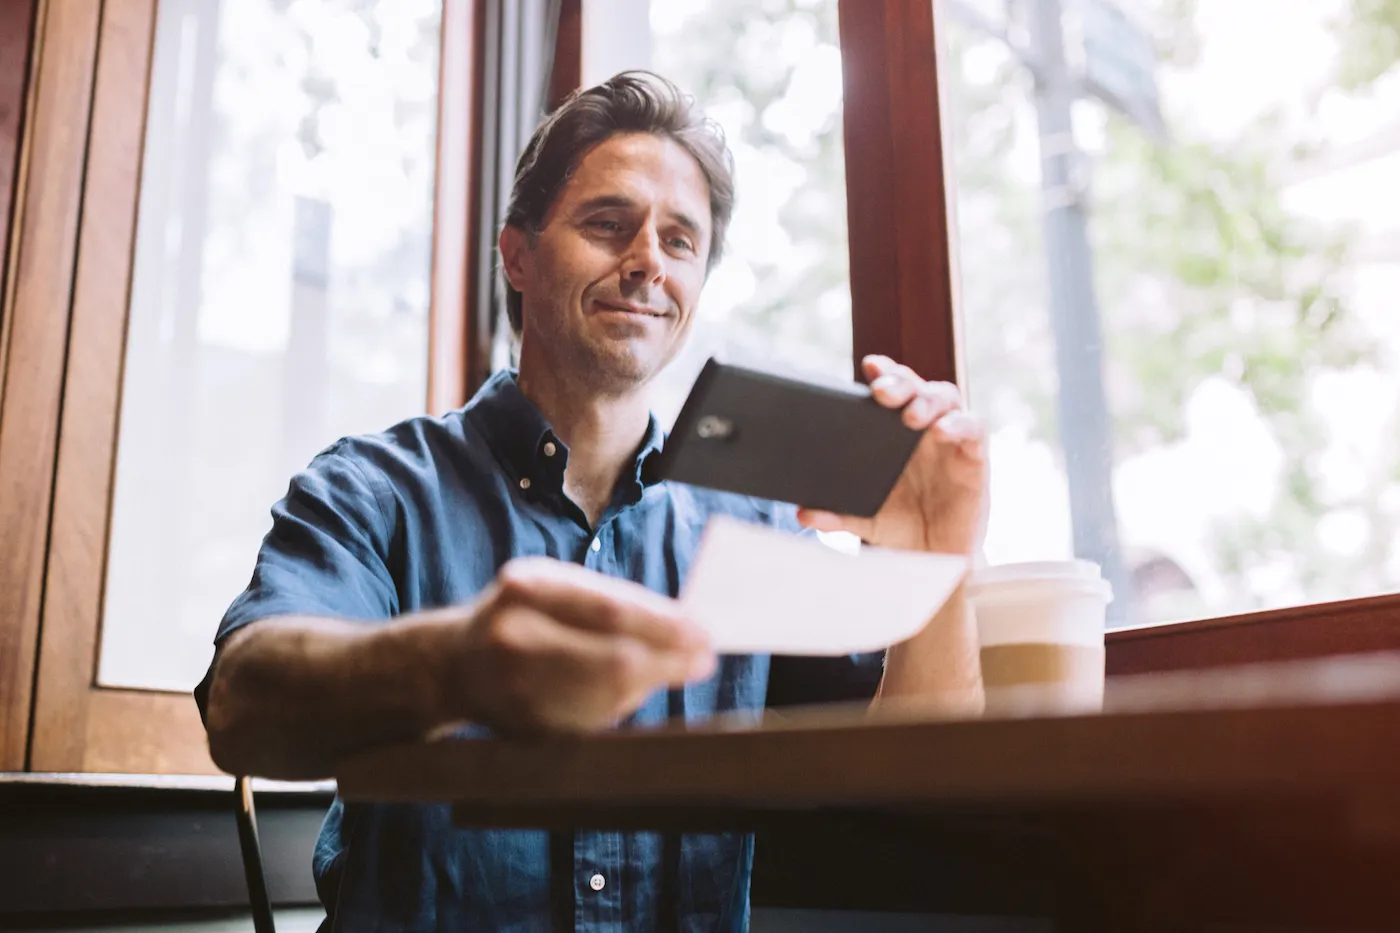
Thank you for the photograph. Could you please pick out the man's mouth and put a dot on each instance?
(624, 308)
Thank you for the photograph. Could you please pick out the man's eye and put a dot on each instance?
(607, 226)
(680, 242)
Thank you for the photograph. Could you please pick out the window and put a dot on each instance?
(1178, 261)
(241, 243)
(279, 294)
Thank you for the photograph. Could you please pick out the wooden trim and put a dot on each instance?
(29, 410)
(566, 72)
(896, 204)
(141, 732)
(479, 266)
(453, 209)
(1348, 627)
(78, 727)
(17, 21)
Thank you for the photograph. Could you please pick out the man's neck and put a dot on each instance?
(602, 432)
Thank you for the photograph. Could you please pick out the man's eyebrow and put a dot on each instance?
(605, 201)
(688, 222)
(618, 201)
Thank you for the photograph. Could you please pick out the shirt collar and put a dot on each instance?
(527, 447)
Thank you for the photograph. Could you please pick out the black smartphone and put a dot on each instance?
(822, 445)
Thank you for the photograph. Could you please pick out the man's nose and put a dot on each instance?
(644, 263)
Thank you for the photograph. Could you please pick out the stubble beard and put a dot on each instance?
(594, 364)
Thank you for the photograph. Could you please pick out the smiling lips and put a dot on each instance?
(629, 309)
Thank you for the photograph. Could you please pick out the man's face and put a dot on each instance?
(610, 284)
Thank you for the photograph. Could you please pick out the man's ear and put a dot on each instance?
(514, 243)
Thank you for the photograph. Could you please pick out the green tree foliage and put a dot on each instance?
(1369, 32)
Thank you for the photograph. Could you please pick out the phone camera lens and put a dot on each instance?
(713, 427)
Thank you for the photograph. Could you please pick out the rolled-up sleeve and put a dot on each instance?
(327, 553)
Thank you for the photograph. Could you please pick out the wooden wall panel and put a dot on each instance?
(29, 409)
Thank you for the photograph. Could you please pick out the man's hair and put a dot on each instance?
(631, 102)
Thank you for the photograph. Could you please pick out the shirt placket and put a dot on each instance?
(598, 883)
(596, 554)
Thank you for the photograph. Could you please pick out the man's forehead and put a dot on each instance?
(645, 169)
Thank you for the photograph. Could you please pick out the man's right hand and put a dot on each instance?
(553, 646)
(548, 646)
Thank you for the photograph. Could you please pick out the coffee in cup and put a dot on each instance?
(1041, 627)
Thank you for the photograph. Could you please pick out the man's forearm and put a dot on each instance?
(291, 696)
(941, 664)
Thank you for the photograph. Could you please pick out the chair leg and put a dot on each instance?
(251, 848)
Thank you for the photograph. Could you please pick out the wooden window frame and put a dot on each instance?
(58, 420)
(16, 39)
(17, 29)
(38, 297)
(904, 305)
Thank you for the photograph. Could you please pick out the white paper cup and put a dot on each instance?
(1041, 627)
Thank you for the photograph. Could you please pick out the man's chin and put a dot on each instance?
(618, 366)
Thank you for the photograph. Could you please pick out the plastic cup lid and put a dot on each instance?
(1039, 570)
(1077, 574)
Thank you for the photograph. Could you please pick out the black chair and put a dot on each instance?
(251, 847)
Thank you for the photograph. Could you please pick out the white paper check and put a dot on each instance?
(757, 590)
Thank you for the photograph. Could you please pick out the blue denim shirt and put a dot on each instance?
(422, 515)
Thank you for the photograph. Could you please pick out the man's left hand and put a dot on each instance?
(940, 500)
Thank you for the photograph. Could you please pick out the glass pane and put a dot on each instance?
(770, 75)
(1178, 261)
(280, 292)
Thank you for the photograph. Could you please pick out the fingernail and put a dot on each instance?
(884, 383)
(958, 425)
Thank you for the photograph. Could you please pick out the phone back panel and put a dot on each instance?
(828, 447)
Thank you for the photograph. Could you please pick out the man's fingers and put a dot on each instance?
(960, 426)
(894, 389)
(934, 401)
(591, 601)
(891, 384)
(897, 386)
(624, 670)
(819, 520)
(873, 366)
(555, 675)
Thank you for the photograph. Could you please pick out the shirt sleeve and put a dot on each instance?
(326, 555)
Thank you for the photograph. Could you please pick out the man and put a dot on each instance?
(526, 556)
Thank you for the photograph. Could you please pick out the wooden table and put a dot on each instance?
(1260, 794)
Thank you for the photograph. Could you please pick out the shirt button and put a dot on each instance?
(595, 546)
(549, 448)
(524, 482)
(597, 882)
